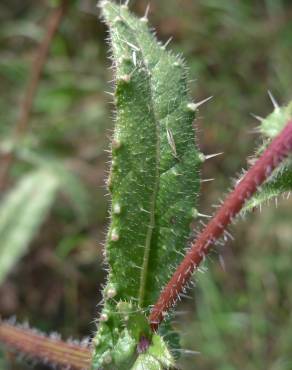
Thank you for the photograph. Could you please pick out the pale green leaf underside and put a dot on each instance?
(275, 122)
(278, 185)
(281, 180)
(69, 183)
(21, 214)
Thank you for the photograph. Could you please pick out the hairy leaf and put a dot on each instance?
(279, 184)
(154, 182)
(281, 181)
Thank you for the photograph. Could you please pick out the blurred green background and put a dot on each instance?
(240, 314)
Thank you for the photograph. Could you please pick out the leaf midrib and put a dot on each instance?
(151, 226)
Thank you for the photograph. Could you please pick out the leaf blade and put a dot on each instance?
(21, 214)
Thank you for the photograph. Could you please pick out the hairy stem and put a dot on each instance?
(278, 150)
(44, 349)
(22, 124)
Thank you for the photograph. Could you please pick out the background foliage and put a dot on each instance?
(236, 50)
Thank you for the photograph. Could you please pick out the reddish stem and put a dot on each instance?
(277, 151)
(39, 62)
(44, 349)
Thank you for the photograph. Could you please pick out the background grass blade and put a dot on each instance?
(21, 214)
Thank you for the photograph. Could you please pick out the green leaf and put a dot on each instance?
(276, 186)
(148, 362)
(275, 122)
(154, 183)
(21, 214)
(154, 186)
(281, 180)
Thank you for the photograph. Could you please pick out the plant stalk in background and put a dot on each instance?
(35, 346)
(22, 124)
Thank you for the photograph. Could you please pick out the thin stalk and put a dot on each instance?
(44, 349)
(22, 124)
(277, 151)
